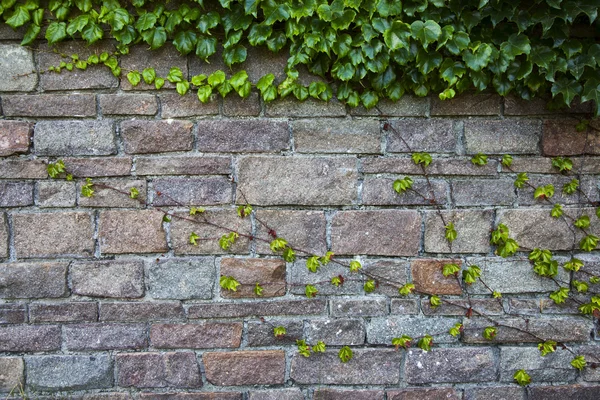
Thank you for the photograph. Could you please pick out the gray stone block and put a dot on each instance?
(207, 190)
(383, 330)
(337, 332)
(108, 278)
(16, 67)
(33, 280)
(380, 191)
(16, 194)
(328, 135)
(502, 136)
(72, 372)
(105, 336)
(483, 192)
(74, 138)
(182, 279)
(554, 367)
(467, 365)
(56, 194)
(472, 228)
(12, 376)
(429, 135)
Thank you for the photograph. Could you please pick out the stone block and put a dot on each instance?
(173, 105)
(337, 332)
(63, 312)
(85, 337)
(261, 334)
(428, 278)
(367, 307)
(120, 279)
(258, 309)
(382, 330)
(245, 368)
(180, 191)
(502, 136)
(49, 105)
(270, 274)
(33, 280)
(243, 136)
(467, 104)
(553, 367)
(56, 194)
(17, 69)
(157, 370)
(328, 135)
(69, 372)
(196, 336)
(144, 136)
(303, 229)
(29, 338)
(128, 104)
(380, 191)
(182, 279)
(162, 60)
(138, 231)
(12, 375)
(16, 194)
(74, 138)
(14, 137)
(472, 228)
(141, 312)
(483, 192)
(183, 165)
(468, 365)
(429, 135)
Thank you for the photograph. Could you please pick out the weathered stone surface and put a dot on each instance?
(16, 194)
(29, 338)
(3, 236)
(131, 232)
(72, 372)
(94, 77)
(143, 136)
(561, 138)
(338, 394)
(472, 227)
(13, 313)
(74, 138)
(162, 60)
(500, 274)
(525, 194)
(173, 105)
(553, 367)
(94, 167)
(276, 394)
(328, 135)
(11, 373)
(514, 105)
(404, 307)
(591, 267)
(105, 336)
(383, 330)
(67, 234)
(114, 193)
(298, 180)
(108, 278)
(388, 274)
(208, 243)
(243, 136)
(206, 190)
(33, 280)
(468, 104)
(468, 365)
(14, 137)
(125, 104)
(145, 370)
(260, 309)
(502, 136)
(407, 106)
(305, 229)
(367, 307)
(17, 69)
(543, 306)
(337, 332)
(591, 354)
(107, 396)
(524, 227)
(50, 105)
(380, 191)
(495, 393)
(270, 274)
(196, 336)
(578, 392)
(428, 278)
(381, 232)
(22, 169)
(192, 396)
(245, 368)
(424, 394)
(141, 312)
(56, 194)
(565, 329)
(291, 108)
(430, 135)
(183, 165)
(367, 367)
(261, 334)
(483, 192)
(63, 312)
(460, 307)
(321, 279)
(182, 279)
(234, 106)
(438, 166)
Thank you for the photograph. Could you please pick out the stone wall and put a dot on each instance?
(101, 299)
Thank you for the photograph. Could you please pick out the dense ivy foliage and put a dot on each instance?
(364, 49)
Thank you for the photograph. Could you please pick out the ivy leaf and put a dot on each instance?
(31, 34)
(507, 160)
(235, 54)
(229, 283)
(155, 37)
(435, 301)
(516, 45)
(370, 286)
(574, 264)
(451, 70)
(185, 41)
(337, 280)
(92, 33)
(428, 61)
(563, 164)
(310, 291)
(278, 244)
(456, 329)
(479, 159)
(402, 185)
(345, 354)
(490, 332)
(450, 269)
(289, 254)
(19, 17)
(175, 75)
(426, 32)
(581, 287)
(404, 341)
(582, 222)
(56, 32)
(450, 232)
(522, 178)
(208, 21)
(397, 36)
(313, 264)
(194, 239)
(560, 296)
(303, 348)
(146, 21)
(149, 75)
(579, 363)
(134, 78)
(406, 289)
(542, 56)
(244, 210)
(279, 331)
(522, 377)
(319, 347)
(369, 99)
(588, 243)
(478, 57)
(568, 88)
(422, 158)
(258, 290)
(182, 87)
(206, 47)
(228, 240)
(425, 343)
(544, 192)
(134, 193)
(355, 266)
(557, 211)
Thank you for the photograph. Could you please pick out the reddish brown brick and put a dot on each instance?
(14, 137)
(192, 396)
(196, 336)
(131, 232)
(262, 308)
(270, 274)
(183, 165)
(147, 370)
(94, 167)
(245, 368)
(13, 313)
(578, 392)
(425, 394)
(141, 136)
(63, 312)
(21, 338)
(560, 138)
(428, 278)
(125, 104)
(337, 394)
(50, 105)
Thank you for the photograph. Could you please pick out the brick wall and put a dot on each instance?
(99, 299)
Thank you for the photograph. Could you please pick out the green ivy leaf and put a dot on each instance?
(355, 265)
(319, 347)
(560, 296)
(490, 332)
(402, 185)
(507, 160)
(313, 264)
(406, 289)
(588, 243)
(574, 264)
(258, 290)
(450, 232)
(345, 354)
(229, 283)
(450, 269)
(479, 159)
(456, 329)
(404, 341)
(398, 35)
(516, 45)
(422, 158)
(370, 286)
(149, 75)
(582, 222)
(87, 188)
(56, 32)
(522, 377)
(134, 78)
(557, 211)
(426, 32)
(425, 343)
(303, 348)
(279, 331)
(579, 363)
(435, 301)
(310, 291)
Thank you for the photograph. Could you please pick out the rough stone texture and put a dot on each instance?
(553, 367)
(261, 333)
(502, 136)
(591, 354)
(389, 274)
(142, 136)
(184, 165)
(430, 135)
(174, 105)
(459, 307)
(72, 372)
(22, 169)
(380, 191)
(289, 107)
(321, 279)
(382, 330)
(243, 136)
(274, 394)
(3, 236)
(428, 278)
(182, 279)
(56, 194)
(51, 105)
(131, 232)
(472, 227)
(367, 367)
(63, 312)
(196, 336)
(13, 313)
(337, 332)
(108, 279)
(29, 338)
(37, 235)
(114, 194)
(336, 136)
(14, 137)
(206, 190)
(16, 194)
(16, 65)
(359, 307)
(11, 373)
(424, 394)
(192, 396)
(261, 309)
(370, 232)
(33, 280)
(524, 228)
(305, 229)
(438, 166)
(495, 393)
(74, 138)
(105, 336)
(468, 365)
(234, 106)
(483, 192)
(245, 368)
(561, 138)
(271, 274)
(141, 312)
(578, 392)
(337, 394)
(95, 167)
(298, 180)
(162, 60)
(147, 370)
(407, 106)
(128, 104)
(404, 306)
(467, 104)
